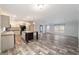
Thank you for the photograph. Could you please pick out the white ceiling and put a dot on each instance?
(58, 13)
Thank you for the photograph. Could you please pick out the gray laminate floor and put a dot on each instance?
(47, 44)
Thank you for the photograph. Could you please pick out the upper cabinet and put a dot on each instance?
(4, 21)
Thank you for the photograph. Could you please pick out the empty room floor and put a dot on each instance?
(47, 44)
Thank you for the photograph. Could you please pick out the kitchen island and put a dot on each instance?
(29, 35)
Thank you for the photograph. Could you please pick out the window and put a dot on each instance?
(59, 28)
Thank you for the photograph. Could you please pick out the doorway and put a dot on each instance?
(41, 28)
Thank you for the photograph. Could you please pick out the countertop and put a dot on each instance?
(7, 33)
(29, 31)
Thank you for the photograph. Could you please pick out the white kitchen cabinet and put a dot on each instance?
(7, 40)
(4, 21)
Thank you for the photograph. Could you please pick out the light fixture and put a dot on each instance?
(34, 23)
(14, 16)
(39, 6)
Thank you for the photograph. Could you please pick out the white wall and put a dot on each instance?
(71, 29)
(78, 31)
(78, 34)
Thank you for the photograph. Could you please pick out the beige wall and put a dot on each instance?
(16, 23)
(31, 27)
(29, 24)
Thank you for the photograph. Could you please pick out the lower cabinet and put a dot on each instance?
(7, 41)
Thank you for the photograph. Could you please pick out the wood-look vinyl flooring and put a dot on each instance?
(47, 44)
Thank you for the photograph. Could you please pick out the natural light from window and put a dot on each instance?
(59, 28)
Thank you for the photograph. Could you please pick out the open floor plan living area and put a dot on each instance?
(39, 29)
